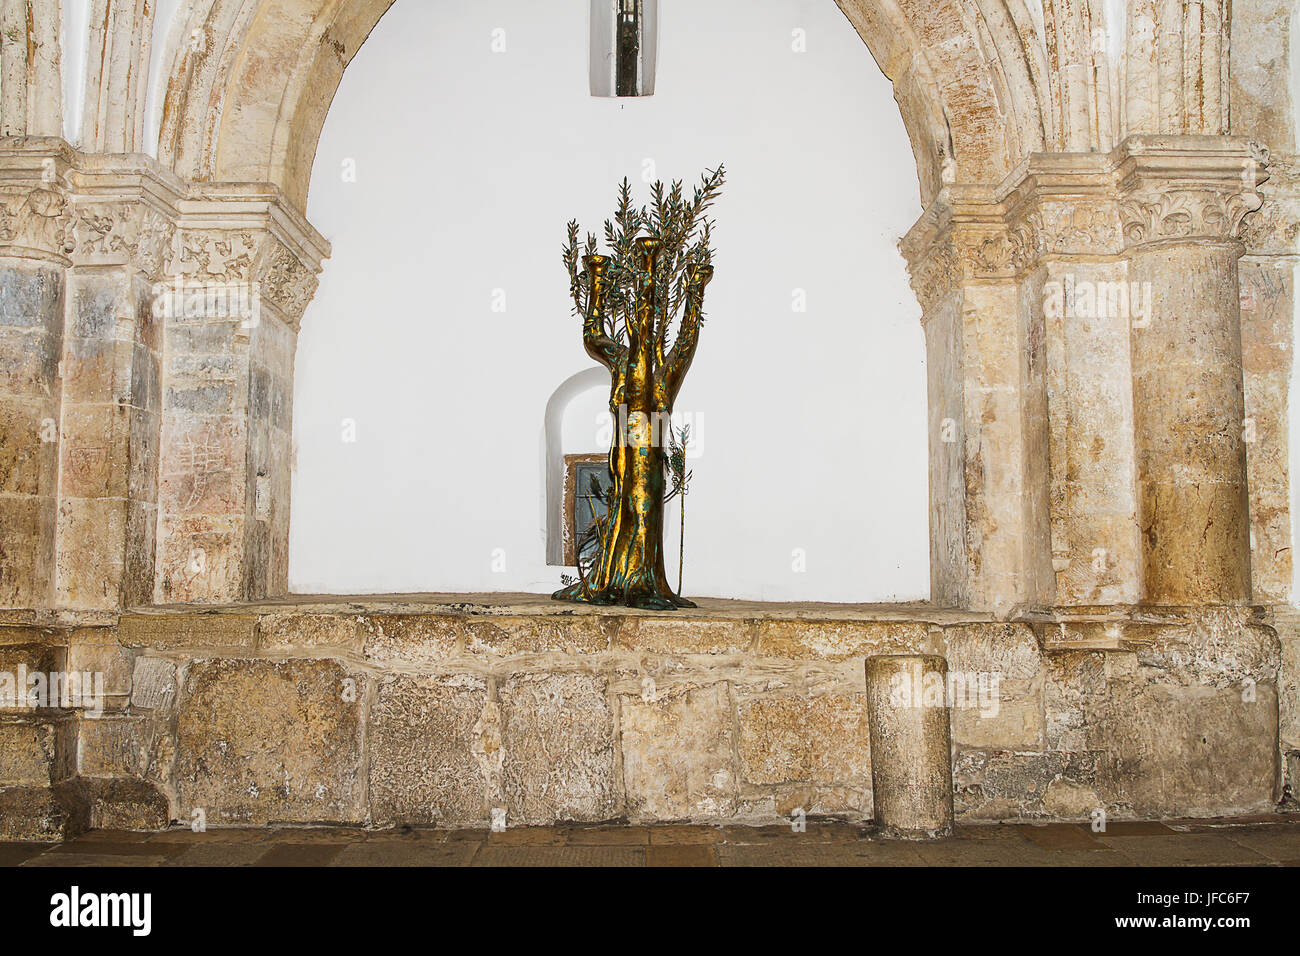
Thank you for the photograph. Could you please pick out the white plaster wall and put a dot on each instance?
(469, 163)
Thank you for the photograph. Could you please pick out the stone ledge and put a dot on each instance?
(387, 712)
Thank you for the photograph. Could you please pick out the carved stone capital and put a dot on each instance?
(215, 255)
(1162, 213)
(36, 221)
(252, 255)
(250, 236)
(126, 232)
(288, 282)
(1100, 206)
(934, 274)
(75, 209)
(1190, 188)
(1275, 228)
(1077, 227)
(35, 204)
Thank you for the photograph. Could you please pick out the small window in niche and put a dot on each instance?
(581, 504)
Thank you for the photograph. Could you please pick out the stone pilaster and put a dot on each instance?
(1083, 307)
(1184, 199)
(1267, 274)
(35, 241)
(244, 270)
(124, 212)
(147, 336)
(1085, 361)
(988, 489)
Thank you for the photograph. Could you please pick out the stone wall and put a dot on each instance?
(390, 714)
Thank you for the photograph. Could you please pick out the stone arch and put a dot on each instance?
(31, 101)
(250, 83)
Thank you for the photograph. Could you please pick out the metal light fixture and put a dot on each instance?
(624, 47)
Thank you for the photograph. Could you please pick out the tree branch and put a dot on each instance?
(678, 362)
(595, 335)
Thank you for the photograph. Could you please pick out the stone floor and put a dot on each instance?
(1252, 842)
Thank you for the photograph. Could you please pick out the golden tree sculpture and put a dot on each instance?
(651, 282)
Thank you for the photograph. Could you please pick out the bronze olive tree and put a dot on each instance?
(630, 301)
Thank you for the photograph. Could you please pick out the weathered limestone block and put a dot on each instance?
(153, 684)
(26, 669)
(422, 766)
(27, 526)
(1003, 785)
(508, 636)
(1289, 683)
(1182, 723)
(411, 641)
(182, 630)
(200, 557)
(1074, 678)
(91, 558)
(1006, 715)
(260, 741)
(279, 632)
(95, 652)
(27, 752)
(28, 460)
(119, 804)
(32, 814)
(558, 739)
(1168, 750)
(838, 640)
(678, 754)
(1080, 634)
(824, 740)
(1215, 647)
(19, 634)
(1009, 650)
(668, 635)
(137, 746)
(996, 673)
(787, 801)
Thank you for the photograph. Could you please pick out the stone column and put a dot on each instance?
(988, 458)
(911, 744)
(1184, 201)
(244, 271)
(35, 240)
